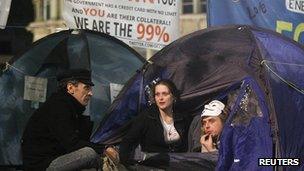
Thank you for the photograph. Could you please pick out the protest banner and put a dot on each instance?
(284, 16)
(141, 23)
(5, 6)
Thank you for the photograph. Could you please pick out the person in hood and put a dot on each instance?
(56, 136)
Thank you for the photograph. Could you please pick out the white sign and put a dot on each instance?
(5, 6)
(35, 88)
(295, 5)
(142, 23)
(114, 90)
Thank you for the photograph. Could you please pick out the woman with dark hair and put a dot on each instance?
(158, 129)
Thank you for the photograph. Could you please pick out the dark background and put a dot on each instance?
(15, 39)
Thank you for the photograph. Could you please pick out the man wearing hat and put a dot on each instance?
(56, 136)
(213, 118)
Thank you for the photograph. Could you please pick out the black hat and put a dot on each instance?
(81, 75)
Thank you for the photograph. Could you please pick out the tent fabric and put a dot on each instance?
(246, 130)
(206, 65)
(179, 162)
(110, 60)
(128, 101)
(286, 60)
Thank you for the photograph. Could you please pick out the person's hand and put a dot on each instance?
(206, 141)
(113, 154)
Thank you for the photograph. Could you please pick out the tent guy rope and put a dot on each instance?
(292, 85)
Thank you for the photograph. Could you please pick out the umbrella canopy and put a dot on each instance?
(112, 63)
(244, 66)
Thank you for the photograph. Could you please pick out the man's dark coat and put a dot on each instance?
(56, 128)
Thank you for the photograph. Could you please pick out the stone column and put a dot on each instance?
(54, 9)
(38, 10)
(197, 6)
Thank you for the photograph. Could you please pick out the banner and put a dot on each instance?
(35, 88)
(5, 6)
(142, 23)
(283, 16)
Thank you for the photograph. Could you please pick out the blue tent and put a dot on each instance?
(112, 63)
(257, 72)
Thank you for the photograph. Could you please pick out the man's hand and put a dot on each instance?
(206, 141)
(113, 154)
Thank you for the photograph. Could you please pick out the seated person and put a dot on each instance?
(211, 121)
(213, 118)
(56, 136)
(159, 129)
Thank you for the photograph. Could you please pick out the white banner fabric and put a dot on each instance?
(141, 23)
(5, 6)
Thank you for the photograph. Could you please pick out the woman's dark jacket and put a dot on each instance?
(56, 128)
(147, 130)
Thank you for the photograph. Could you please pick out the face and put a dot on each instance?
(212, 125)
(163, 97)
(81, 92)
